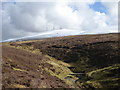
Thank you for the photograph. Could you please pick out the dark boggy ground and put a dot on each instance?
(94, 51)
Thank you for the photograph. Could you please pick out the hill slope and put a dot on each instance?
(24, 68)
(95, 56)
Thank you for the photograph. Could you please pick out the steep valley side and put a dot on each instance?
(92, 59)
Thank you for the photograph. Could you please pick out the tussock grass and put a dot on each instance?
(17, 69)
(18, 86)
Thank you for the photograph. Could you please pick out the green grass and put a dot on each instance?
(107, 77)
(17, 69)
(106, 83)
(106, 72)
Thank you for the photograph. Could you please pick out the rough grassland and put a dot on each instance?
(95, 56)
(33, 69)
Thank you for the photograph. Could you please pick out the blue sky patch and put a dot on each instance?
(98, 6)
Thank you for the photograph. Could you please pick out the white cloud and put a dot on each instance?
(112, 18)
(24, 19)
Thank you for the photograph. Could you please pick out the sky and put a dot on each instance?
(24, 19)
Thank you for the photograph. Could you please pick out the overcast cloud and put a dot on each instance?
(26, 19)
